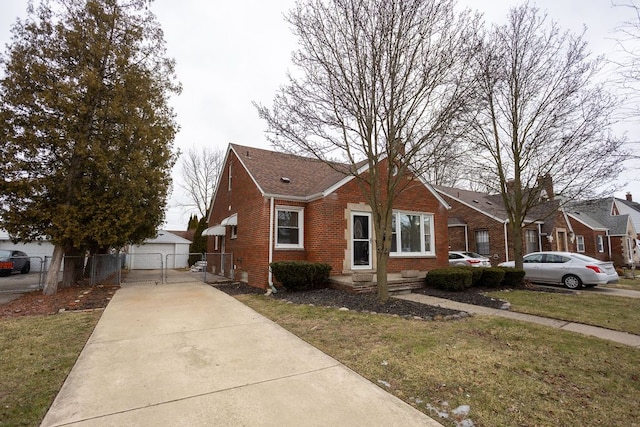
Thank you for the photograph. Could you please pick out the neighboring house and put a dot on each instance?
(478, 222)
(270, 206)
(37, 250)
(166, 250)
(631, 208)
(621, 236)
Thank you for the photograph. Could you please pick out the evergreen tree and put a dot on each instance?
(87, 128)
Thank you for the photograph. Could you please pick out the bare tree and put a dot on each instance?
(378, 83)
(542, 115)
(200, 170)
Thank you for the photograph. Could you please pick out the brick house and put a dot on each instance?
(270, 206)
(478, 222)
(620, 241)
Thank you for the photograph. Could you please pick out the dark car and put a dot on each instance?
(11, 261)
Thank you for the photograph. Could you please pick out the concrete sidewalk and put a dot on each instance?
(607, 334)
(189, 355)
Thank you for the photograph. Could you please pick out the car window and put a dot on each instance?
(455, 256)
(473, 255)
(555, 259)
(532, 258)
(584, 258)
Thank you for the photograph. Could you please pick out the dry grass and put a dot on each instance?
(36, 355)
(632, 284)
(618, 313)
(509, 373)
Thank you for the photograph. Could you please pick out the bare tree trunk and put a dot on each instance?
(51, 279)
(516, 238)
(381, 276)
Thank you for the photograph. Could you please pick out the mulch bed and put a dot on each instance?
(361, 302)
(68, 299)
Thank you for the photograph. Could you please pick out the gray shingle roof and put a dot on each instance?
(599, 210)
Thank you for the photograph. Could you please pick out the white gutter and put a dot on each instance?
(539, 236)
(271, 217)
(506, 243)
(466, 238)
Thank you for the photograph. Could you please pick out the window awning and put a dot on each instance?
(216, 230)
(230, 220)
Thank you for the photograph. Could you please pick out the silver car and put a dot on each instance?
(468, 259)
(567, 268)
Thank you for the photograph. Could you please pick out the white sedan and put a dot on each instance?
(568, 268)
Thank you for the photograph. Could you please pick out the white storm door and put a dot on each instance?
(361, 240)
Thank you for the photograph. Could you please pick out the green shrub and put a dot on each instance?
(300, 275)
(512, 277)
(449, 279)
(491, 277)
(476, 273)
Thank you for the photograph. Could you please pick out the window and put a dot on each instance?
(234, 231)
(580, 243)
(412, 233)
(531, 239)
(600, 243)
(216, 239)
(482, 242)
(289, 227)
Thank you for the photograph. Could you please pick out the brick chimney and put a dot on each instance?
(629, 197)
(546, 183)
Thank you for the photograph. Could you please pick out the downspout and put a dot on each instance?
(506, 243)
(539, 237)
(272, 289)
(609, 243)
(466, 238)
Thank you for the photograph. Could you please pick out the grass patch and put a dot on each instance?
(631, 284)
(510, 373)
(618, 313)
(36, 354)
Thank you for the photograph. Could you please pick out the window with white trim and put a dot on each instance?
(482, 242)
(412, 234)
(531, 239)
(289, 227)
(600, 242)
(234, 231)
(580, 243)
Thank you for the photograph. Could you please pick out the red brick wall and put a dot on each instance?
(251, 247)
(476, 221)
(590, 240)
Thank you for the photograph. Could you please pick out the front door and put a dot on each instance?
(361, 240)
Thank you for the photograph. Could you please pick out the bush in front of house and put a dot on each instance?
(300, 275)
(450, 279)
(476, 273)
(491, 277)
(513, 277)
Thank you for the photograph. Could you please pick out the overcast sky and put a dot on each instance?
(230, 53)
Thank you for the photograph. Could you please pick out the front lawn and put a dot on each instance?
(618, 313)
(487, 370)
(36, 355)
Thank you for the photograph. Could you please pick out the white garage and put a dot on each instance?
(165, 250)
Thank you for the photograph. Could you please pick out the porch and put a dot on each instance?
(399, 283)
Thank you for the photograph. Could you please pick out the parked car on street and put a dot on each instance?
(567, 268)
(468, 259)
(11, 261)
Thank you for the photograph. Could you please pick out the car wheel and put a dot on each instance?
(4, 273)
(571, 281)
(26, 268)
